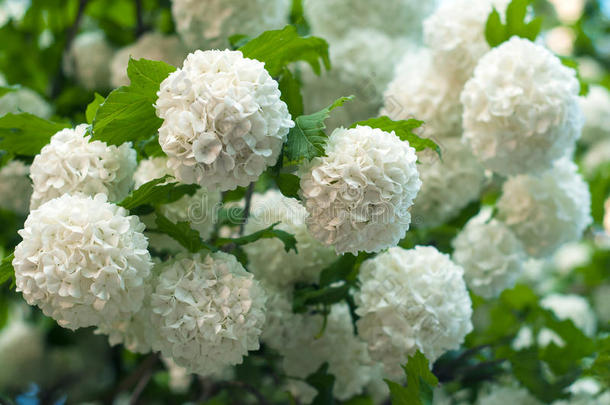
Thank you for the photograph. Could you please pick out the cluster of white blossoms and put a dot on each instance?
(521, 108)
(15, 187)
(502, 394)
(267, 258)
(224, 122)
(87, 60)
(72, 163)
(208, 24)
(24, 100)
(412, 300)
(546, 211)
(358, 194)
(596, 109)
(83, 261)
(491, 255)
(152, 46)
(449, 183)
(207, 310)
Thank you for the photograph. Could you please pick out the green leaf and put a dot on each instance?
(339, 270)
(128, 113)
(306, 296)
(516, 15)
(8, 89)
(495, 31)
(297, 18)
(278, 48)
(324, 383)
(236, 41)
(289, 184)
(528, 369)
(291, 92)
(307, 139)
(573, 64)
(157, 192)
(93, 107)
(289, 241)
(26, 134)
(182, 233)
(6, 269)
(420, 383)
(403, 129)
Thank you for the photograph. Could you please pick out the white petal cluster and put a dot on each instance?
(358, 195)
(521, 108)
(491, 255)
(15, 187)
(224, 122)
(412, 300)
(596, 109)
(150, 169)
(394, 17)
(24, 100)
(596, 157)
(607, 216)
(179, 378)
(421, 90)
(88, 60)
(267, 258)
(72, 163)
(500, 394)
(574, 308)
(152, 46)
(208, 24)
(208, 311)
(83, 261)
(449, 183)
(547, 211)
(455, 33)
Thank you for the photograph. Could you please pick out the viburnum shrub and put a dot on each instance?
(380, 202)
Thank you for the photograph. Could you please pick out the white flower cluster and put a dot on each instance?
(208, 24)
(491, 255)
(88, 60)
(83, 261)
(207, 310)
(72, 163)
(15, 187)
(596, 109)
(449, 183)
(24, 100)
(521, 108)
(547, 211)
(358, 195)
(152, 46)
(455, 33)
(596, 157)
(501, 394)
(412, 300)
(224, 122)
(267, 258)
(574, 308)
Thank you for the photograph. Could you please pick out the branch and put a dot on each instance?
(136, 377)
(140, 28)
(248, 198)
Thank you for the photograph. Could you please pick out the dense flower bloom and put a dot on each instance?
(521, 108)
(152, 46)
(268, 259)
(547, 211)
(24, 100)
(449, 183)
(83, 261)
(574, 308)
(208, 311)
(72, 163)
(412, 300)
(224, 122)
(15, 187)
(596, 157)
(208, 24)
(358, 195)
(394, 17)
(421, 90)
(88, 60)
(596, 109)
(492, 257)
(455, 33)
(499, 394)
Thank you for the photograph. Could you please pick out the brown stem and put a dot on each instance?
(140, 28)
(145, 367)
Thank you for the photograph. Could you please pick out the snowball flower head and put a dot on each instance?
(572, 307)
(455, 33)
(596, 110)
(358, 195)
(152, 46)
(71, 163)
(521, 108)
(449, 183)
(596, 157)
(88, 60)
(21, 352)
(24, 100)
(412, 300)
(268, 259)
(496, 394)
(547, 211)
(419, 89)
(15, 187)
(208, 24)
(208, 310)
(224, 122)
(491, 255)
(83, 261)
